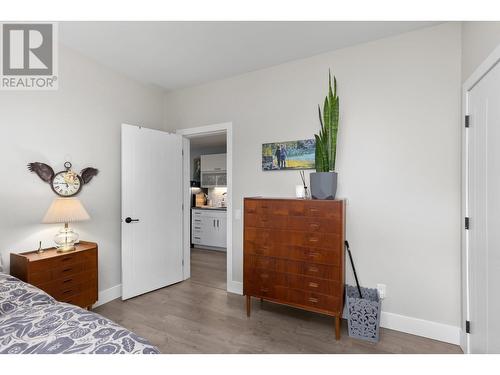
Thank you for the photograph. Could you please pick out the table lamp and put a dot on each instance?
(65, 210)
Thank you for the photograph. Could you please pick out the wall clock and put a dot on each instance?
(66, 183)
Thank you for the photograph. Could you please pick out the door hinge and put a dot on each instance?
(183, 207)
(182, 152)
(467, 326)
(183, 262)
(467, 121)
(467, 223)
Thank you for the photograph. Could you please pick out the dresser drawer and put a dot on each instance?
(266, 220)
(317, 209)
(279, 237)
(312, 284)
(267, 277)
(314, 224)
(259, 262)
(314, 255)
(257, 207)
(310, 269)
(267, 291)
(295, 223)
(321, 270)
(316, 300)
(315, 239)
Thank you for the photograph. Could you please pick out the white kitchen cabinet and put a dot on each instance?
(209, 228)
(213, 171)
(213, 163)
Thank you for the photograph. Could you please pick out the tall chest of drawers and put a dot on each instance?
(68, 277)
(294, 254)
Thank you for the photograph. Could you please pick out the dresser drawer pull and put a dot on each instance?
(313, 285)
(314, 226)
(314, 255)
(265, 290)
(313, 210)
(313, 269)
(313, 239)
(313, 300)
(67, 291)
(67, 281)
(68, 270)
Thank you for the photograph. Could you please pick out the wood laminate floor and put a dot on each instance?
(199, 316)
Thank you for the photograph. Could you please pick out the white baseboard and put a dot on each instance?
(108, 295)
(235, 287)
(420, 327)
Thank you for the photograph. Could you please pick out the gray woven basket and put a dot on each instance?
(363, 314)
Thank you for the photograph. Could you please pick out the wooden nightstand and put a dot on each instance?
(68, 277)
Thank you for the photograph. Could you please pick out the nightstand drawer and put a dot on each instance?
(71, 281)
(62, 261)
(41, 277)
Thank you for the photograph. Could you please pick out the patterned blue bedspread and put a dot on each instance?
(31, 321)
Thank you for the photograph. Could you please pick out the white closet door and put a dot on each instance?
(152, 198)
(484, 213)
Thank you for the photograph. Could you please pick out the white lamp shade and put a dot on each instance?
(65, 210)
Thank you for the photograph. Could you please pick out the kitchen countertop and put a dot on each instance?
(208, 208)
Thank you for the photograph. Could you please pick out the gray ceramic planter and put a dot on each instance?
(323, 185)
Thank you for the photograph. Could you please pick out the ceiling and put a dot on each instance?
(208, 141)
(174, 55)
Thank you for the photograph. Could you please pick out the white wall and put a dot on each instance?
(79, 122)
(398, 158)
(479, 39)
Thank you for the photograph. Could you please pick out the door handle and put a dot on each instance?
(128, 220)
(217, 223)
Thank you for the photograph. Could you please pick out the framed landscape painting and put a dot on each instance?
(289, 155)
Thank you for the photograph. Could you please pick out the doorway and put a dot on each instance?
(208, 172)
(208, 197)
(481, 238)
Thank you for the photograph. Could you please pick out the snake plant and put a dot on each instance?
(326, 140)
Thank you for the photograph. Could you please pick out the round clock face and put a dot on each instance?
(66, 184)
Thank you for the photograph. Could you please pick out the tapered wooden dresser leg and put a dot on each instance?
(249, 305)
(337, 327)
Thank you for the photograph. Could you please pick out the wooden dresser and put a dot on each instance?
(294, 254)
(68, 277)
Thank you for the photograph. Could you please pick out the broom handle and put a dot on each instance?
(353, 269)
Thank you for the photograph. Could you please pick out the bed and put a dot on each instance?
(31, 321)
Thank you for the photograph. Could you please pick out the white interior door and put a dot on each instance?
(152, 173)
(484, 212)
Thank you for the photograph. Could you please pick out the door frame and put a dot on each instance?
(226, 127)
(481, 71)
